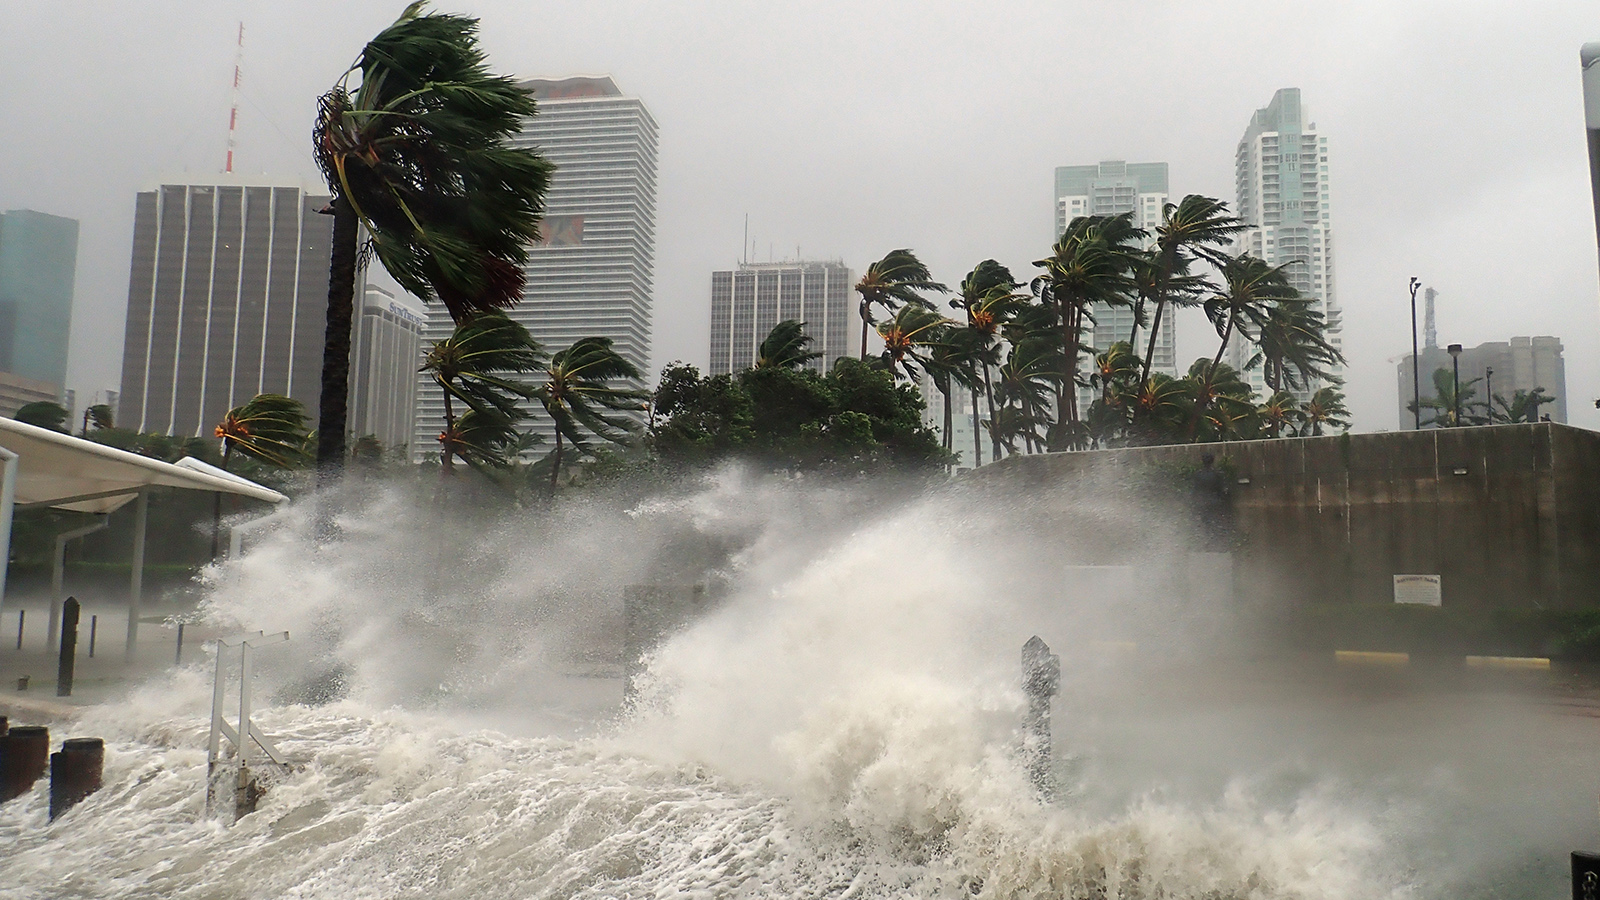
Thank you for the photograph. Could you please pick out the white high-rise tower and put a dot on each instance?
(592, 276)
(1281, 170)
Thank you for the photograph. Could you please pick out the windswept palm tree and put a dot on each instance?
(267, 427)
(1326, 409)
(894, 281)
(1194, 228)
(417, 154)
(786, 346)
(1249, 288)
(99, 417)
(1443, 404)
(1029, 379)
(907, 336)
(1091, 263)
(477, 365)
(1522, 407)
(580, 398)
(989, 298)
(1280, 413)
(1292, 343)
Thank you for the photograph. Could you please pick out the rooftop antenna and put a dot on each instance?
(744, 250)
(233, 114)
(1430, 335)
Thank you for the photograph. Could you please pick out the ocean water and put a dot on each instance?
(842, 724)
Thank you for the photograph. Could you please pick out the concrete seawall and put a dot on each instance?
(1507, 515)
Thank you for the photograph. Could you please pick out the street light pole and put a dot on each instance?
(1488, 389)
(1455, 361)
(1416, 364)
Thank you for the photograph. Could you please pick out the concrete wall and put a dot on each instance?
(1508, 515)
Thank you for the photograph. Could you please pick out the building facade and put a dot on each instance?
(1112, 188)
(227, 298)
(592, 275)
(1504, 367)
(386, 350)
(1281, 180)
(38, 263)
(747, 302)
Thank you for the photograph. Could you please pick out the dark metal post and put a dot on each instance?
(1488, 388)
(1416, 363)
(1041, 679)
(23, 758)
(22, 616)
(1589, 57)
(69, 647)
(1455, 362)
(94, 622)
(75, 773)
(179, 659)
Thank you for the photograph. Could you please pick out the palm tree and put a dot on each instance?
(417, 155)
(988, 297)
(99, 416)
(907, 336)
(1250, 287)
(1522, 407)
(1194, 228)
(1028, 379)
(43, 414)
(577, 389)
(1090, 264)
(1279, 413)
(897, 279)
(267, 427)
(1293, 348)
(1326, 407)
(481, 438)
(786, 346)
(476, 365)
(1444, 405)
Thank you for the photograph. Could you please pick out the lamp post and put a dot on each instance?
(1455, 361)
(1488, 390)
(1416, 364)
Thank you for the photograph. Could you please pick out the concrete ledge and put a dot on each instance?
(1372, 659)
(1509, 663)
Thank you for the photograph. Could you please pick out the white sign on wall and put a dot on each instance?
(1423, 589)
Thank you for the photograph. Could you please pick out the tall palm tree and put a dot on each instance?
(1091, 263)
(988, 297)
(1279, 413)
(417, 155)
(1249, 288)
(786, 346)
(907, 337)
(1522, 407)
(577, 394)
(1194, 228)
(896, 280)
(1444, 402)
(1028, 380)
(477, 365)
(1293, 348)
(99, 416)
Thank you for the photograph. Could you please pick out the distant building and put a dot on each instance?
(17, 392)
(1281, 175)
(38, 263)
(961, 424)
(227, 298)
(1112, 188)
(593, 274)
(385, 353)
(747, 302)
(1520, 364)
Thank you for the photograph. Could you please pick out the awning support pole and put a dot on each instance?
(8, 502)
(58, 575)
(141, 510)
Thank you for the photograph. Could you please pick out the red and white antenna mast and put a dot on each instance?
(233, 114)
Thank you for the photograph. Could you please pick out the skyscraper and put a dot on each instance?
(1112, 188)
(385, 353)
(1281, 174)
(748, 301)
(592, 274)
(227, 298)
(38, 260)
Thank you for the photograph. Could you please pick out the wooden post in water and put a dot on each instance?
(69, 647)
(23, 758)
(1041, 679)
(75, 773)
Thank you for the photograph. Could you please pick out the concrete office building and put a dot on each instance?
(1520, 364)
(961, 424)
(1112, 188)
(592, 275)
(38, 263)
(386, 349)
(747, 302)
(227, 298)
(1281, 177)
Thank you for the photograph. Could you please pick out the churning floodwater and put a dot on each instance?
(842, 722)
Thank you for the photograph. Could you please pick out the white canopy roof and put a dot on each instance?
(66, 472)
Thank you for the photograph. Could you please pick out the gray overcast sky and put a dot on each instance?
(848, 129)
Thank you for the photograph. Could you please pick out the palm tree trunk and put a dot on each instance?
(1155, 331)
(336, 343)
(977, 439)
(949, 420)
(863, 332)
(555, 468)
(988, 388)
(446, 455)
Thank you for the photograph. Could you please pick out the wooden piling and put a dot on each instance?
(75, 773)
(69, 647)
(23, 758)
